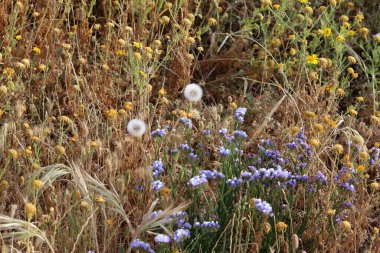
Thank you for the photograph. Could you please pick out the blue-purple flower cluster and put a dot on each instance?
(137, 244)
(224, 151)
(158, 133)
(212, 175)
(180, 235)
(234, 182)
(197, 180)
(157, 185)
(207, 224)
(161, 238)
(345, 180)
(239, 114)
(263, 207)
(187, 122)
(320, 177)
(158, 168)
(374, 155)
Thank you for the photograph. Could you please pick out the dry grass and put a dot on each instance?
(73, 74)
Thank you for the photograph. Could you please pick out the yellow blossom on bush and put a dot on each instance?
(111, 114)
(312, 59)
(361, 168)
(327, 32)
(340, 38)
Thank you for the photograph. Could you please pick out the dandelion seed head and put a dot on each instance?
(136, 127)
(193, 92)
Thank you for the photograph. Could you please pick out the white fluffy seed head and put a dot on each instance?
(193, 92)
(136, 127)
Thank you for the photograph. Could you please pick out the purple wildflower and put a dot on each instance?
(157, 185)
(224, 152)
(181, 234)
(207, 224)
(240, 113)
(138, 244)
(197, 180)
(161, 238)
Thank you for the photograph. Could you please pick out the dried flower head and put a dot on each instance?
(30, 210)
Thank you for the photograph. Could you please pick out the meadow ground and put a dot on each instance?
(189, 126)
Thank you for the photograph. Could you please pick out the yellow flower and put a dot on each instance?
(375, 186)
(59, 150)
(37, 184)
(359, 17)
(212, 22)
(351, 33)
(375, 120)
(233, 105)
(165, 191)
(361, 168)
(265, 3)
(94, 144)
(315, 142)
(346, 226)
(310, 114)
(375, 230)
(327, 32)
(100, 200)
(165, 101)
(162, 92)
(276, 6)
(364, 32)
(13, 153)
(266, 227)
(281, 226)
(363, 155)
(352, 112)
(128, 106)
(303, 1)
(295, 130)
(35, 166)
(121, 53)
(30, 210)
(319, 128)
(292, 52)
(9, 72)
(341, 92)
(351, 59)
(308, 10)
(111, 114)
(312, 59)
(3, 90)
(164, 20)
(331, 212)
(18, 37)
(340, 38)
(42, 67)
(360, 99)
(338, 149)
(36, 50)
(109, 222)
(344, 18)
